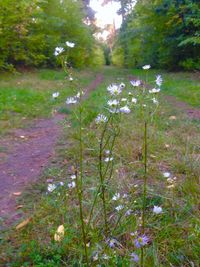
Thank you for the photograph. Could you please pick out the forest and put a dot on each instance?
(164, 33)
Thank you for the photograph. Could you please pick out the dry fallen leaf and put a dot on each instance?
(59, 234)
(17, 193)
(172, 117)
(19, 206)
(22, 224)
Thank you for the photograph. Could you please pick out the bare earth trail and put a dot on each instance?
(28, 151)
(193, 113)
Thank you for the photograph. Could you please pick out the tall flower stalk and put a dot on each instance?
(144, 190)
(79, 185)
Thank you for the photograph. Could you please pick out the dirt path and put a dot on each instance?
(193, 113)
(26, 153)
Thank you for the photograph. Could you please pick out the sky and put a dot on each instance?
(107, 13)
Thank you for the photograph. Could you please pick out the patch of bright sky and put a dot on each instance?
(107, 13)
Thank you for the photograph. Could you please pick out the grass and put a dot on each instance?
(173, 146)
(25, 96)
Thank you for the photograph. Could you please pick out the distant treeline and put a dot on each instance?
(31, 29)
(163, 33)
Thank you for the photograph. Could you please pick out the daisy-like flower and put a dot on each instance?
(125, 110)
(113, 103)
(146, 67)
(157, 210)
(141, 241)
(128, 212)
(116, 196)
(135, 83)
(58, 51)
(155, 101)
(114, 89)
(72, 185)
(55, 95)
(114, 110)
(154, 91)
(112, 242)
(159, 80)
(108, 159)
(51, 187)
(71, 100)
(122, 85)
(101, 119)
(134, 100)
(166, 174)
(73, 177)
(120, 207)
(124, 99)
(70, 44)
(134, 257)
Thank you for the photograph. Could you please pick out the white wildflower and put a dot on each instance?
(70, 44)
(72, 185)
(125, 110)
(101, 119)
(79, 94)
(120, 207)
(71, 78)
(71, 100)
(114, 89)
(159, 80)
(154, 91)
(51, 187)
(157, 210)
(116, 196)
(58, 51)
(146, 67)
(113, 103)
(155, 101)
(128, 212)
(73, 177)
(107, 152)
(124, 99)
(108, 159)
(134, 100)
(135, 83)
(55, 95)
(166, 174)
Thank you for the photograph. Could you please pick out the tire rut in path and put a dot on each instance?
(28, 151)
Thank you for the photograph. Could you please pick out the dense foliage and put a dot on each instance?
(31, 29)
(164, 33)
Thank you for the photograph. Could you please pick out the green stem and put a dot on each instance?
(79, 186)
(102, 180)
(144, 190)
